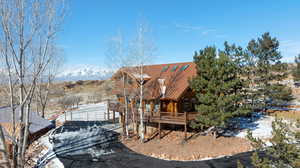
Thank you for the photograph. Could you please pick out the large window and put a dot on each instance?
(165, 68)
(184, 67)
(174, 68)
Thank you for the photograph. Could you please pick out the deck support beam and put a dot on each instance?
(185, 130)
(159, 130)
(185, 126)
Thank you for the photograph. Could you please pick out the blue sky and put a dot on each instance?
(178, 27)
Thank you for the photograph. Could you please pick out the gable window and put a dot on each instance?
(184, 67)
(165, 68)
(174, 68)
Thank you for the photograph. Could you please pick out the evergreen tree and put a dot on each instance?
(269, 70)
(296, 72)
(244, 70)
(284, 151)
(217, 88)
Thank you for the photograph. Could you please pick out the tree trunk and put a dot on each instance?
(4, 148)
(133, 113)
(21, 118)
(126, 106)
(26, 132)
(142, 136)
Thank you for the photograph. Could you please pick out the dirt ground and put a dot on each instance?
(172, 147)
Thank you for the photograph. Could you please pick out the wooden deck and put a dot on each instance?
(169, 118)
(161, 117)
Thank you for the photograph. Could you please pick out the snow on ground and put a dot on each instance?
(85, 139)
(261, 127)
(81, 138)
(259, 124)
(87, 112)
(54, 162)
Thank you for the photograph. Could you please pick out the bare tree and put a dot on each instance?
(142, 51)
(3, 150)
(68, 102)
(45, 80)
(119, 59)
(28, 30)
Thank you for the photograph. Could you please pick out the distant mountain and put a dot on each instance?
(83, 72)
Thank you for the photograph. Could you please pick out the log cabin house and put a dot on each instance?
(167, 97)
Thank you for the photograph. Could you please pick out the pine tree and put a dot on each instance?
(284, 151)
(244, 70)
(296, 72)
(217, 88)
(269, 70)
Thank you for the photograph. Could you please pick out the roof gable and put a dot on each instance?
(176, 78)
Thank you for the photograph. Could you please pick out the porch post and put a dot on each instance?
(172, 108)
(175, 109)
(151, 108)
(159, 130)
(185, 130)
(185, 125)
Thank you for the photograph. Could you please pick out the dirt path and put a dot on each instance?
(172, 147)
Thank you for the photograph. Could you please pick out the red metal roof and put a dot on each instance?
(176, 77)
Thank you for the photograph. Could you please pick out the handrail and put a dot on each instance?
(185, 116)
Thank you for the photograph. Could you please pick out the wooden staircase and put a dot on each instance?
(4, 162)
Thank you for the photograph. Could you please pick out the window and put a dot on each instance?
(165, 68)
(129, 81)
(148, 107)
(174, 68)
(184, 67)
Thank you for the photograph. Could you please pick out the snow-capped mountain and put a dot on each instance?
(83, 72)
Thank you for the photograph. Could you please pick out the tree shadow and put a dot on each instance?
(112, 153)
(239, 124)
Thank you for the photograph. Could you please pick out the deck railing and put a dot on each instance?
(159, 117)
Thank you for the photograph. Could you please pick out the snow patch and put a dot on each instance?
(261, 128)
(83, 72)
(54, 162)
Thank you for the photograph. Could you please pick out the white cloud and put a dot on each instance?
(202, 30)
(205, 32)
(188, 28)
(63, 46)
(289, 49)
(221, 36)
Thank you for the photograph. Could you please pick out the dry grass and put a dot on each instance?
(291, 115)
(171, 146)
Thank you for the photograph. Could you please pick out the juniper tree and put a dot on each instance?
(217, 87)
(269, 70)
(296, 72)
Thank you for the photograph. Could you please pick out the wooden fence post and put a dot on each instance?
(65, 116)
(114, 116)
(108, 104)
(87, 115)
